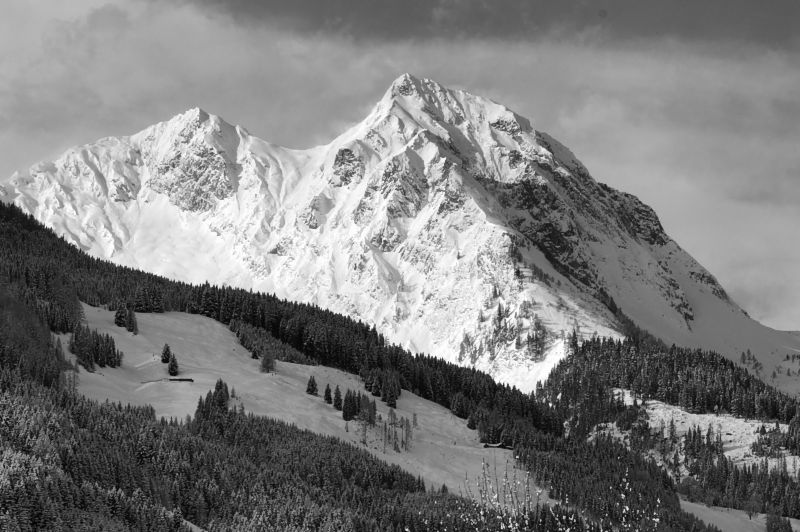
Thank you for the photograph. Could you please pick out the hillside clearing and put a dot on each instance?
(737, 434)
(443, 450)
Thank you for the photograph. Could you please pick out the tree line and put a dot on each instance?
(32, 252)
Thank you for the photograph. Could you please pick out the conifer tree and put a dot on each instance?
(349, 408)
(776, 523)
(373, 413)
(130, 322)
(328, 398)
(166, 354)
(311, 389)
(357, 401)
(363, 406)
(337, 398)
(79, 345)
(346, 406)
(363, 431)
(173, 366)
(141, 300)
(120, 317)
(157, 301)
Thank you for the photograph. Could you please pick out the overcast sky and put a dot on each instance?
(692, 106)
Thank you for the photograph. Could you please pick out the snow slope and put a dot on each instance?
(443, 218)
(737, 434)
(443, 451)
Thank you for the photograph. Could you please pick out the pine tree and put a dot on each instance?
(157, 301)
(141, 300)
(346, 406)
(166, 354)
(173, 366)
(337, 398)
(373, 413)
(311, 389)
(363, 431)
(328, 398)
(391, 390)
(350, 406)
(363, 407)
(130, 322)
(776, 523)
(79, 345)
(120, 317)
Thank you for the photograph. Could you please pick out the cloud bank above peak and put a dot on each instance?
(388, 20)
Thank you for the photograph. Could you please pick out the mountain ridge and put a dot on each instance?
(443, 218)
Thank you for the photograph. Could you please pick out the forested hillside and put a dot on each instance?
(582, 387)
(71, 463)
(218, 467)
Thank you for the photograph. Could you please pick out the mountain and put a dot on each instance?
(443, 218)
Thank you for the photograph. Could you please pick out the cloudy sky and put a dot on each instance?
(692, 106)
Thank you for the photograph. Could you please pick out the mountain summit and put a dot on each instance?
(443, 218)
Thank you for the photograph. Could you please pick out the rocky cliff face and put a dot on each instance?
(443, 218)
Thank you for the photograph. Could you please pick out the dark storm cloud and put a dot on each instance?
(771, 24)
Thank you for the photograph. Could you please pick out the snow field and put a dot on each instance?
(738, 434)
(443, 449)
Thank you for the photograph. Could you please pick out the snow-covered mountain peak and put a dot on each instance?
(192, 126)
(443, 218)
(194, 115)
(191, 158)
(427, 101)
(406, 84)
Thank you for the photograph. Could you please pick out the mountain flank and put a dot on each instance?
(444, 219)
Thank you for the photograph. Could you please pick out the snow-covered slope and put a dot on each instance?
(443, 218)
(737, 434)
(444, 450)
